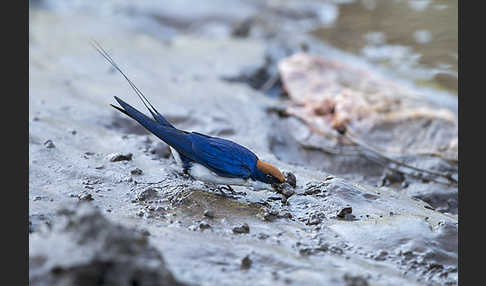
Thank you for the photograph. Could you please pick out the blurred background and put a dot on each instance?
(413, 39)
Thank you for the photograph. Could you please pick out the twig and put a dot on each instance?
(366, 146)
(363, 145)
(269, 83)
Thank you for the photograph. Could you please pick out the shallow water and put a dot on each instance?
(417, 39)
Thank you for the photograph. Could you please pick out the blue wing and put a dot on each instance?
(224, 157)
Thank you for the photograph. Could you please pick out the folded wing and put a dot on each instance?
(224, 157)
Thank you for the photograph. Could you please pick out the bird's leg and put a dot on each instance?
(221, 189)
(229, 188)
(214, 187)
(233, 192)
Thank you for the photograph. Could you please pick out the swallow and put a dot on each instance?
(212, 160)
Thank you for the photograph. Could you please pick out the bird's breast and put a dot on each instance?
(201, 173)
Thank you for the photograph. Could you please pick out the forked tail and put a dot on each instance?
(157, 116)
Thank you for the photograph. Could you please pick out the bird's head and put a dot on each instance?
(268, 173)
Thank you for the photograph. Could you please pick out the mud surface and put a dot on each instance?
(107, 203)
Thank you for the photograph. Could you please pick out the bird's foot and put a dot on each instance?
(233, 192)
(227, 191)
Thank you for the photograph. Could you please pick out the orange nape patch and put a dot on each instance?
(268, 168)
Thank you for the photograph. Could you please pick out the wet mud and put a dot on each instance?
(108, 193)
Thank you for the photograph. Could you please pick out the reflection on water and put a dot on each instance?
(417, 39)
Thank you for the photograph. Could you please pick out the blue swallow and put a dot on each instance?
(208, 159)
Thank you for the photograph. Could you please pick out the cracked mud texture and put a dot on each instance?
(348, 221)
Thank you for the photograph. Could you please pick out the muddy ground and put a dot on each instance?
(108, 206)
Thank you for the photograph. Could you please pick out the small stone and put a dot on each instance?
(147, 194)
(305, 251)
(116, 157)
(49, 144)
(149, 215)
(269, 215)
(145, 232)
(136, 171)
(355, 280)
(287, 192)
(263, 236)
(284, 189)
(241, 229)
(246, 262)
(204, 225)
(242, 29)
(85, 197)
(343, 212)
(381, 256)
(99, 167)
(208, 213)
(291, 179)
(315, 219)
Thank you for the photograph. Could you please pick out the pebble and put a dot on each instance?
(116, 157)
(204, 225)
(291, 179)
(147, 194)
(244, 228)
(246, 262)
(263, 236)
(136, 171)
(314, 219)
(49, 144)
(381, 256)
(208, 213)
(343, 212)
(85, 197)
